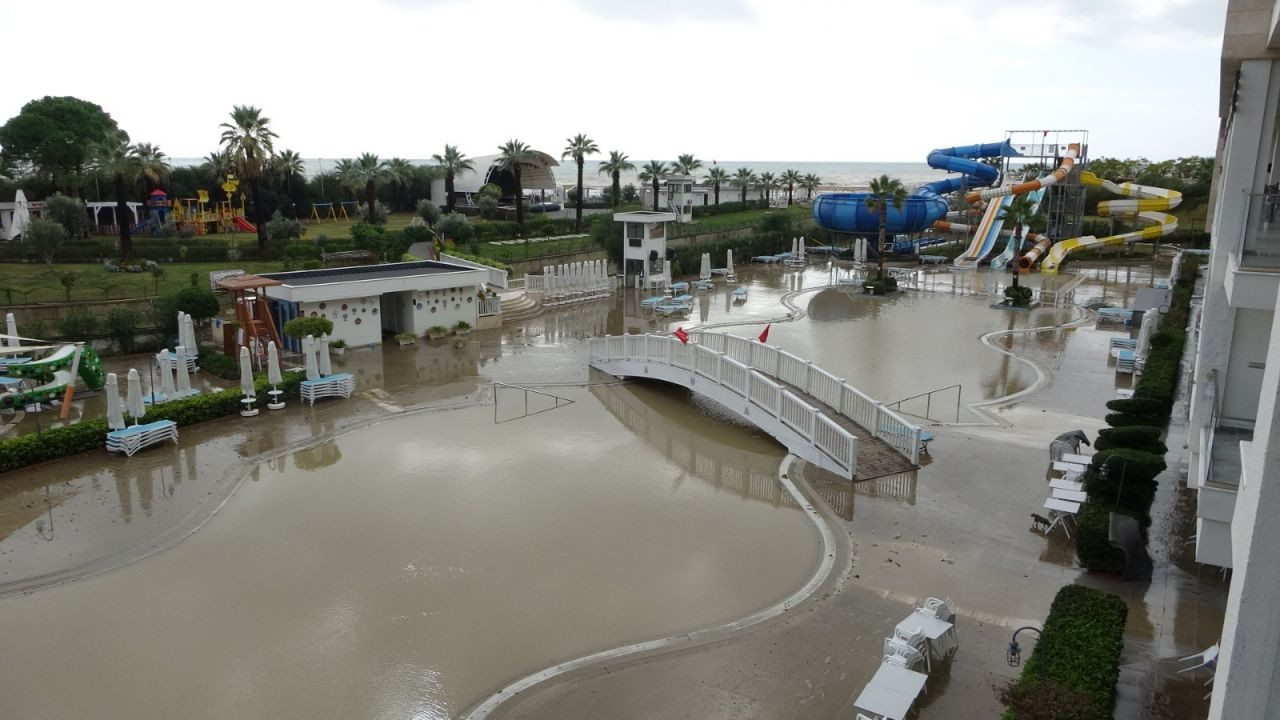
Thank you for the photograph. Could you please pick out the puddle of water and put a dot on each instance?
(407, 569)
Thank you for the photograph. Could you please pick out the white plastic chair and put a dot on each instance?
(902, 655)
(914, 638)
(940, 609)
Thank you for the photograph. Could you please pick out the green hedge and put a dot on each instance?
(688, 259)
(1138, 407)
(1079, 650)
(724, 208)
(1093, 544)
(68, 440)
(1134, 437)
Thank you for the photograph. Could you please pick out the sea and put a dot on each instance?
(835, 175)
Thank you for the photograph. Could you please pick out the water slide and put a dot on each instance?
(847, 212)
(989, 229)
(1011, 251)
(240, 222)
(1144, 202)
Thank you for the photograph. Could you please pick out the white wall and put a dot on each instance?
(1243, 380)
(358, 323)
(446, 307)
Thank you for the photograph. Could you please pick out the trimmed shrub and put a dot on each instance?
(1118, 420)
(1138, 407)
(1079, 650)
(1134, 437)
(1129, 480)
(301, 327)
(1093, 545)
(122, 326)
(79, 324)
(1018, 296)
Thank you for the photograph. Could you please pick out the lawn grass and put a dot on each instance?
(22, 283)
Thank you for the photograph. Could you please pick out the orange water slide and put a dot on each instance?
(977, 197)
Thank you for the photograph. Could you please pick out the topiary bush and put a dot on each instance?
(1093, 545)
(1134, 437)
(1079, 650)
(79, 324)
(1138, 407)
(1018, 296)
(1118, 420)
(1129, 480)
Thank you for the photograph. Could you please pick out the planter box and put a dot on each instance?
(462, 332)
(406, 342)
(436, 336)
(338, 351)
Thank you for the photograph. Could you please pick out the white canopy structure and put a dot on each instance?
(21, 217)
(534, 175)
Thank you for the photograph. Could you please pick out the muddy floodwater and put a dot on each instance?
(407, 569)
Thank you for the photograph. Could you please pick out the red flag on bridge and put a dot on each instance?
(680, 333)
(764, 336)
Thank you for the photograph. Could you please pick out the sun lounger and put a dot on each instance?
(703, 285)
(336, 385)
(651, 302)
(1126, 362)
(1064, 484)
(1076, 458)
(926, 437)
(679, 287)
(1123, 343)
(132, 439)
(1060, 511)
(740, 294)
(1073, 495)
(1065, 467)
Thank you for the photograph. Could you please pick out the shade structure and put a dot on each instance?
(728, 263)
(273, 364)
(180, 368)
(705, 273)
(322, 354)
(246, 373)
(166, 373)
(309, 357)
(11, 327)
(115, 410)
(133, 399)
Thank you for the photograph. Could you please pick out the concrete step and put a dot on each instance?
(522, 307)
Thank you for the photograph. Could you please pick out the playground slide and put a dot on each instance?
(1145, 203)
(999, 262)
(243, 224)
(52, 390)
(847, 212)
(48, 368)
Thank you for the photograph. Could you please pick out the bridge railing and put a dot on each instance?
(741, 380)
(726, 359)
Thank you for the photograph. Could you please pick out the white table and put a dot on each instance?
(1064, 484)
(891, 692)
(940, 634)
(1063, 466)
(1072, 495)
(1079, 459)
(1059, 511)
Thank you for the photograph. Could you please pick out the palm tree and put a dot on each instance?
(511, 156)
(152, 165)
(218, 164)
(653, 172)
(366, 172)
(768, 182)
(790, 178)
(1020, 212)
(686, 165)
(125, 165)
(451, 162)
(614, 167)
(288, 169)
(743, 179)
(249, 139)
(400, 174)
(885, 191)
(579, 147)
(717, 176)
(810, 183)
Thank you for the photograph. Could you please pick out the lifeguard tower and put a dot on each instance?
(678, 197)
(644, 248)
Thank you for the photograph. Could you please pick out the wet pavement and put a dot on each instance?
(318, 560)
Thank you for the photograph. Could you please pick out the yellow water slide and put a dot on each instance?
(1143, 202)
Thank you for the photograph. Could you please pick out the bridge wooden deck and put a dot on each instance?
(876, 458)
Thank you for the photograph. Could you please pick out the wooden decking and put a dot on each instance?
(876, 458)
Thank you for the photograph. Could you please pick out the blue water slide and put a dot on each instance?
(847, 212)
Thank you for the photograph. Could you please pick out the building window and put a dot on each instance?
(635, 231)
(635, 242)
(655, 266)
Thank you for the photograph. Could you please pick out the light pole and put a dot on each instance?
(1013, 655)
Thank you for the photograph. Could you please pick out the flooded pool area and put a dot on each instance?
(453, 526)
(391, 573)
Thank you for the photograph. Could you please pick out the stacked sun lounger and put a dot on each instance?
(335, 385)
(739, 294)
(770, 259)
(1123, 343)
(679, 288)
(1115, 315)
(650, 303)
(678, 305)
(703, 285)
(173, 358)
(132, 439)
(1126, 362)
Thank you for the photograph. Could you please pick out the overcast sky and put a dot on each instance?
(801, 80)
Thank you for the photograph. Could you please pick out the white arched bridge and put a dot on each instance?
(817, 416)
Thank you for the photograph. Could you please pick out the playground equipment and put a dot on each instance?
(44, 380)
(156, 212)
(203, 216)
(257, 328)
(1145, 204)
